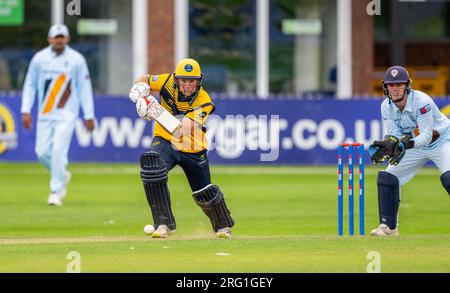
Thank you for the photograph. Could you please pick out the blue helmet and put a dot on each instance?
(396, 74)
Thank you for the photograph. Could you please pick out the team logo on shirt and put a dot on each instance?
(425, 109)
(8, 134)
(57, 89)
(394, 72)
(155, 78)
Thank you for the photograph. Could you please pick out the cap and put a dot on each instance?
(58, 30)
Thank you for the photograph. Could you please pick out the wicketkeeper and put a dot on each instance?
(180, 141)
(416, 133)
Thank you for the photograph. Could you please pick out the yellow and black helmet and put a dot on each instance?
(189, 69)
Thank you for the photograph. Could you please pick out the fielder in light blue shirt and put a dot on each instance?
(59, 78)
(417, 132)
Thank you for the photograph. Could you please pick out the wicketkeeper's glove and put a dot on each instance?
(400, 150)
(391, 149)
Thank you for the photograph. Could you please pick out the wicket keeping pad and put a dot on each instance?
(388, 198)
(445, 180)
(211, 201)
(154, 177)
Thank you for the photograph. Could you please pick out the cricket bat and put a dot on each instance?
(167, 120)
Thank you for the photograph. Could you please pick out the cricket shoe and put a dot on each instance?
(162, 232)
(384, 230)
(54, 199)
(224, 233)
(67, 178)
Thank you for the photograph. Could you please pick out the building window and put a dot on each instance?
(303, 47)
(222, 36)
(103, 34)
(19, 43)
(427, 20)
(382, 22)
(107, 51)
(421, 21)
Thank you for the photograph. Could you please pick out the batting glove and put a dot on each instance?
(142, 105)
(139, 90)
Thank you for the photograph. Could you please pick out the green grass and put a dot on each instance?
(285, 222)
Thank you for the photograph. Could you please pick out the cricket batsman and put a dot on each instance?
(180, 141)
(416, 132)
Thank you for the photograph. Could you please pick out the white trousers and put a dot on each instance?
(52, 147)
(416, 157)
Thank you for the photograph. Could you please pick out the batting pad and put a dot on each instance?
(211, 201)
(154, 177)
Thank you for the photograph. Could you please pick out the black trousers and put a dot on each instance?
(195, 166)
